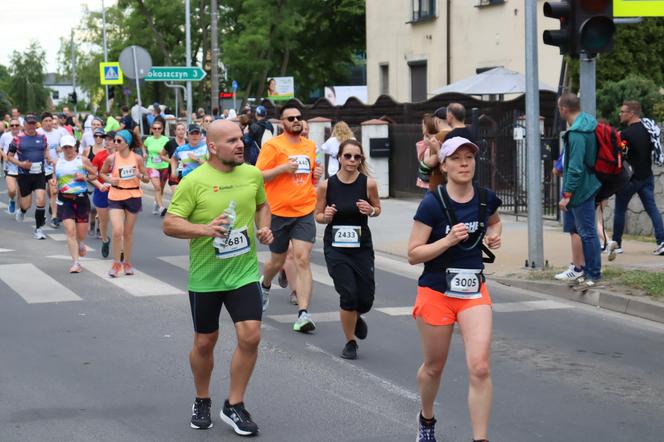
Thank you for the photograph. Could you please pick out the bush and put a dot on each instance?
(633, 87)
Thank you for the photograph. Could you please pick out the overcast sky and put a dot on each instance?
(44, 21)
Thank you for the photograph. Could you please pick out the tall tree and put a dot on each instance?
(26, 82)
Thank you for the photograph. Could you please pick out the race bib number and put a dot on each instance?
(36, 168)
(463, 283)
(127, 172)
(236, 244)
(156, 159)
(303, 164)
(346, 236)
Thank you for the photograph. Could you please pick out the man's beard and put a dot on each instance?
(231, 163)
(293, 131)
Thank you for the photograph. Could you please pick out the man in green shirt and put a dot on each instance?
(216, 208)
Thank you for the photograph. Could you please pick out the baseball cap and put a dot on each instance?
(441, 112)
(450, 146)
(155, 104)
(68, 140)
(261, 111)
(31, 118)
(194, 128)
(110, 134)
(62, 115)
(99, 132)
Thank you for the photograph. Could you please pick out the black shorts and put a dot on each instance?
(353, 276)
(284, 229)
(29, 182)
(243, 304)
(77, 208)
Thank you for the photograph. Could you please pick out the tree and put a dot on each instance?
(613, 93)
(26, 81)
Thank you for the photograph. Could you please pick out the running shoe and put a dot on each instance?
(569, 275)
(20, 215)
(128, 269)
(82, 250)
(98, 234)
(91, 232)
(162, 211)
(53, 223)
(304, 324)
(293, 297)
(56, 221)
(239, 418)
(361, 328)
(155, 209)
(75, 268)
(11, 209)
(350, 350)
(105, 246)
(427, 430)
(282, 280)
(38, 234)
(115, 270)
(200, 414)
(659, 250)
(265, 293)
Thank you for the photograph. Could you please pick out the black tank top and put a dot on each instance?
(344, 197)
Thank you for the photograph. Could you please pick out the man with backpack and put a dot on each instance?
(641, 143)
(580, 185)
(257, 133)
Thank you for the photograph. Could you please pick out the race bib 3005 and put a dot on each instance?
(346, 236)
(463, 283)
(236, 244)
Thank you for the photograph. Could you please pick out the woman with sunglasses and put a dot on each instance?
(124, 170)
(70, 173)
(450, 224)
(169, 150)
(90, 152)
(100, 195)
(157, 164)
(345, 201)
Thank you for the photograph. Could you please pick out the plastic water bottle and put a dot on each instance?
(231, 216)
(313, 179)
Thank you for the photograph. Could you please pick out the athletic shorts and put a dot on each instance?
(162, 174)
(284, 229)
(77, 208)
(568, 222)
(243, 304)
(100, 199)
(131, 205)
(11, 174)
(29, 182)
(435, 308)
(353, 276)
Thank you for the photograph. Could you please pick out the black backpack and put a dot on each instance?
(444, 200)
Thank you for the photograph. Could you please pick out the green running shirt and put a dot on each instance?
(154, 146)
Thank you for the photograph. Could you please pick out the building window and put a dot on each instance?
(423, 10)
(384, 79)
(418, 81)
(55, 95)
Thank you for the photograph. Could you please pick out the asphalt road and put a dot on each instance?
(84, 358)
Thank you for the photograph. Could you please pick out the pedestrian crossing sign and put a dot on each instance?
(110, 73)
(638, 8)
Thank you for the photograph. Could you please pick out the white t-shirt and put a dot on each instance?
(53, 139)
(5, 141)
(331, 148)
(87, 140)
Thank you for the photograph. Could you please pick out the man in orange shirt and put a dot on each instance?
(288, 163)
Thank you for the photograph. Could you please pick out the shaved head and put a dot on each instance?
(224, 140)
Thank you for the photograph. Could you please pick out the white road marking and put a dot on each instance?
(138, 285)
(181, 261)
(35, 286)
(6, 250)
(527, 306)
(317, 317)
(318, 272)
(396, 311)
(68, 258)
(57, 236)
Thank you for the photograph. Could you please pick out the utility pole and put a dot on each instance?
(103, 30)
(73, 72)
(587, 83)
(187, 25)
(533, 141)
(214, 57)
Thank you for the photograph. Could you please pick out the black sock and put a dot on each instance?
(40, 217)
(427, 421)
(299, 312)
(266, 286)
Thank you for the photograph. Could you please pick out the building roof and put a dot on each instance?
(53, 79)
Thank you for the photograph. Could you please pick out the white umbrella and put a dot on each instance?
(496, 81)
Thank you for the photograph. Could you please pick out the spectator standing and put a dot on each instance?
(340, 133)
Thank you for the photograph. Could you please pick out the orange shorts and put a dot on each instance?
(437, 309)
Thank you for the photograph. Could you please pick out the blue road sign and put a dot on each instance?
(234, 86)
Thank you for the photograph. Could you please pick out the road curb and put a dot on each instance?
(641, 307)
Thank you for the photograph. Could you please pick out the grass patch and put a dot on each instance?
(652, 283)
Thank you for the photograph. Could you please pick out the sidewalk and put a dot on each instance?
(391, 231)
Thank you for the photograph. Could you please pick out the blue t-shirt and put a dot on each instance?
(30, 148)
(186, 163)
(430, 212)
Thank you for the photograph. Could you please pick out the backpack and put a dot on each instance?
(610, 167)
(251, 148)
(654, 132)
(444, 200)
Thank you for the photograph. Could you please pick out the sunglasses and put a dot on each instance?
(207, 121)
(100, 136)
(349, 156)
(118, 140)
(294, 118)
(14, 125)
(157, 128)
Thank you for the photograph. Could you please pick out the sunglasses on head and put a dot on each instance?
(349, 156)
(294, 118)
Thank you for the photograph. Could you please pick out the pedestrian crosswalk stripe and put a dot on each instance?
(395, 311)
(6, 250)
(317, 317)
(181, 261)
(33, 285)
(138, 285)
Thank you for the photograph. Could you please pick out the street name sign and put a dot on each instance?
(638, 8)
(175, 73)
(110, 73)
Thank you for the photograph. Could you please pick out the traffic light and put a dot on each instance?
(73, 99)
(594, 27)
(563, 37)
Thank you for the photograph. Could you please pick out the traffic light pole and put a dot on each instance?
(587, 84)
(533, 142)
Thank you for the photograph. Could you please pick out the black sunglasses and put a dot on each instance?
(349, 156)
(14, 125)
(100, 136)
(118, 140)
(157, 128)
(294, 118)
